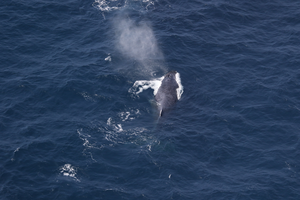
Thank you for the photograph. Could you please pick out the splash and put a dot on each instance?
(141, 85)
(180, 88)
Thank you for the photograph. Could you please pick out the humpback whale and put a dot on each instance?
(167, 96)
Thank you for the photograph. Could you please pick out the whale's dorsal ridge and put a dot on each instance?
(167, 96)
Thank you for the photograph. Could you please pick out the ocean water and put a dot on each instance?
(73, 126)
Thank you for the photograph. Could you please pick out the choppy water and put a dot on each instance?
(72, 127)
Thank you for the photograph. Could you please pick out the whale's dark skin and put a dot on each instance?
(166, 96)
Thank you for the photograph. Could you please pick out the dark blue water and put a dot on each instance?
(72, 129)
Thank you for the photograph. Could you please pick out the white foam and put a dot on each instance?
(68, 170)
(124, 115)
(83, 137)
(104, 5)
(116, 127)
(140, 86)
(109, 121)
(119, 128)
(144, 85)
(87, 97)
(180, 89)
(12, 159)
(110, 5)
(108, 58)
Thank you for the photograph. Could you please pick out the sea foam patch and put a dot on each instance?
(110, 5)
(68, 170)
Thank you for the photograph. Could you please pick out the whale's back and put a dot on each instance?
(166, 96)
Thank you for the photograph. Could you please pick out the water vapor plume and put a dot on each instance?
(137, 42)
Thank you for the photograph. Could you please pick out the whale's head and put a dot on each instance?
(170, 77)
